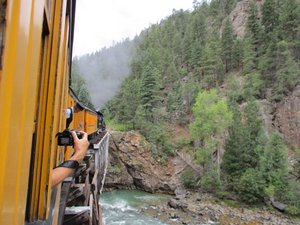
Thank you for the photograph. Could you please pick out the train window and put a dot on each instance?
(2, 28)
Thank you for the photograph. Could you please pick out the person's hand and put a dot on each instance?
(80, 146)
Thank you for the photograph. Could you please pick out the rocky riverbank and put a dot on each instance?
(132, 166)
(193, 208)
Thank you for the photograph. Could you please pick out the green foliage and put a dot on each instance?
(212, 118)
(269, 19)
(288, 72)
(237, 54)
(289, 20)
(183, 142)
(114, 125)
(212, 115)
(234, 91)
(117, 169)
(274, 167)
(228, 45)
(251, 187)
(155, 133)
(243, 149)
(210, 181)
(293, 198)
(211, 66)
(253, 86)
(297, 164)
(254, 29)
(250, 56)
(188, 178)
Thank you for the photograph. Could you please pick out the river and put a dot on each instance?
(127, 207)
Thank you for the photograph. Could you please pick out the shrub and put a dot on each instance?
(210, 181)
(188, 178)
(251, 187)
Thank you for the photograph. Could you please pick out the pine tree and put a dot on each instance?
(228, 45)
(270, 24)
(269, 16)
(235, 147)
(126, 109)
(148, 89)
(289, 20)
(237, 54)
(254, 33)
(212, 67)
(250, 57)
(287, 74)
(274, 167)
(253, 25)
(246, 138)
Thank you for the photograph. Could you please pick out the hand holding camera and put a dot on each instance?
(65, 138)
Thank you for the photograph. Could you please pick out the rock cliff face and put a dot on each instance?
(287, 118)
(239, 16)
(283, 117)
(132, 166)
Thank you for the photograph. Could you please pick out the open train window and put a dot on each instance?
(2, 28)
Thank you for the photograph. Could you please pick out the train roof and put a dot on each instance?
(77, 100)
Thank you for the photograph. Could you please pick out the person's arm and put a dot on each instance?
(80, 147)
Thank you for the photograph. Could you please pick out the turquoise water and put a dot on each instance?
(124, 207)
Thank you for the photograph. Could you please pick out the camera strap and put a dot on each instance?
(72, 164)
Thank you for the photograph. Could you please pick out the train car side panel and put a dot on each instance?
(90, 122)
(17, 90)
(78, 120)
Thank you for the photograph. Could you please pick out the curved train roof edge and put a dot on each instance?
(73, 94)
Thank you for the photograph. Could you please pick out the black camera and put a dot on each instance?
(65, 138)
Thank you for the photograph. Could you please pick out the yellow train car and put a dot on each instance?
(36, 38)
(86, 120)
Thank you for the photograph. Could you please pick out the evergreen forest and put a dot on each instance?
(193, 70)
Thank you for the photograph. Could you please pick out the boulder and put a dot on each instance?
(131, 165)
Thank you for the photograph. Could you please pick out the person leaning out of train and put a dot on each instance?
(69, 166)
(70, 111)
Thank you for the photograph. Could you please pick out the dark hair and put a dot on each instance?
(99, 113)
(79, 106)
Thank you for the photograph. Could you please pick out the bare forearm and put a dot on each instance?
(59, 174)
(66, 168)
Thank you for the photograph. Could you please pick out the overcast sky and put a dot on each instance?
(100, 23)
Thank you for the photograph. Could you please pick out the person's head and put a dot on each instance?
(78, 107)
(99, 113)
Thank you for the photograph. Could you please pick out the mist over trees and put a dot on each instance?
(104, 70)
(191, 70)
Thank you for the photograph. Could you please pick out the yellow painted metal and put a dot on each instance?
(78, 120)
(33, 94)
(90, 122)
(40, 128)
(59, 97)
(53, 111)
(59, 157)
(17, 103)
